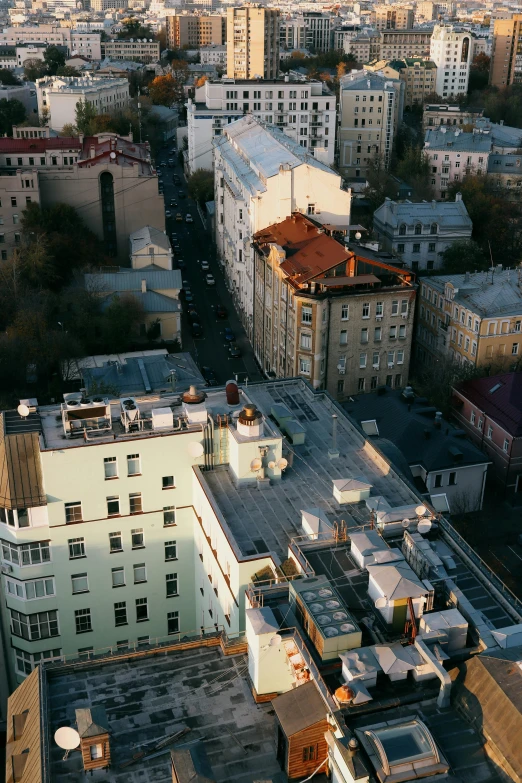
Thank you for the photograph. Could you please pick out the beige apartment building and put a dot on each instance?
(341, 320)
(137, 50)
(392, 17)
(191, 31)
(397, 44)
(506, 63)
(252, 42)
(419, 77)
(17, 190)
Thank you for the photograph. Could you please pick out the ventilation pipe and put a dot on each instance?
(443, 699)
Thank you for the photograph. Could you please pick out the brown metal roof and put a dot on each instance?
(21, 483)
(355, 280)
(300, 708)
(24, 751)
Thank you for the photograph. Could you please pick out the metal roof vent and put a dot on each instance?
(193, 396)
(250, 422)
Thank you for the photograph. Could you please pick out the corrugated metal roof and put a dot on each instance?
(481, 295)
(148, 235)
(457, 140)
(500, 397)
(131, 280)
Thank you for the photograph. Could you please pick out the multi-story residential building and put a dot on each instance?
(17, 189)
(505, 171)
(392, 17)
(504, 138)
(506, 67)
(427, 11)
(261, 177)
(453, 154)
(108, 5)
(213, 55)
(58, 95)
(420, 233)
(310, 30)
(341, 320)
(370, 112)
(97, 175)
(419, 77)
(397, 44)
(436, 114)
(475, 318)
(365, 47)
(84, 44)
(137, 50)
(450, 50)
(344, 35)
(252, 42)
(194, 31)
(489, 410)
(304, 111)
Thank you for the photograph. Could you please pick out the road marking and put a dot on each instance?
(515, 553)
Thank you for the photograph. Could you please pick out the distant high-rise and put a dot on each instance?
(252, 42)
(392, 17)
(189, 30)
(506, 67)
(450, 50)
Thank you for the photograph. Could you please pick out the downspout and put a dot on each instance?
(443, 698)
(329, 305)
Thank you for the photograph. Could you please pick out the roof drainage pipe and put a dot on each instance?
(377, 636)
(443, 699)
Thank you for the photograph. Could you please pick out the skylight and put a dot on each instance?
(404, 745)
(495, 388)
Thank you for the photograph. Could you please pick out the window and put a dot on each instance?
(142, 610)
(400, 247)
(118, 576)
(418, 229)
(305, 366)
(113, 506)
(138, 541)
(402, 230)
(32, 627)
(169, 515)
(172, 585)
(110, 466)
(393, 332)
(80, 583)
(490, 433)
(133, 465)
(362, 361)
(115, 544)
(505, 445)
(76, 548)
(306, 341)
(167, 482)
(73, 512)
(360, 384)
(135, 506)
(366, 310)
(364, 335)
(377, 335)
(438, 480)
(82, 618)
(416, 247)
(171, 551)
(514, 349)
(431, 247)
(340, 387)
(306, 314)
(379, 308)
(395, 307)
(345, 312)
(472, 417)
(13, 201)
(172, 622)
(310, 753)
(452, 478)
(140, 573)
(433, 228)
(343, 337)
(120, 613)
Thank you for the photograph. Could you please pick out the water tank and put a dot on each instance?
(232, 392)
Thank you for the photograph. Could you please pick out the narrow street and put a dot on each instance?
(211, 349)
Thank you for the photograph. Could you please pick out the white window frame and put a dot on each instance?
(18, 588)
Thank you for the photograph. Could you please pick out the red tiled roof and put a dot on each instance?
(38, 145)
(503, 405)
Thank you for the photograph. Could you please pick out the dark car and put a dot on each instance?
(173, 203)
(229, 334)
(197, 331)
(221, 311)
(234, 351)
(189, 299)
(181, 264)
(209, 375)
(181, 194)
(193, 316)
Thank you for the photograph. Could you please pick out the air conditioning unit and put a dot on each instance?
(404, 315)
(341, 369)
(7, 569)
(390, 365)
(378, 317)
(375, 366)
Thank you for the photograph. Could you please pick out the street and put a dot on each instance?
(211, 349)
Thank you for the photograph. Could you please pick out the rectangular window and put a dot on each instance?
(118, 576)
(379, 309)
(142, 610)
(110, 466)
(377, 334)
(82, 618)
(32, 627)
(395, 307)
(73, 512)
(80, 583)
(364, 335)
(140, 573)
(490, 433)
(505, 445)
(340, 387)
(514, 349)
(306, 314)
(120, 613)
(366, 310)
(452, 478)
(115, 542)
(171, 551)
(138, 541)
(362, 361)
(76, 548)
(310, 753)
(305, 366)
(343, 337)
(306, 341)
(172, 622)
(400, 357)
(169, 515)
(345, 312)
(133, 465)
(360, 385)
(438, 480)
(172, 584)
(167, 482)
(135, 506)
(402, 332)
(393, 332)
(113, 506)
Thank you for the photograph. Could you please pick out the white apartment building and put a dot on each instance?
(261, 177)
(58, 95)
(452, 154)
(304, 111)
(85, 44)
(310, 30)
(213, 55)
(343, 36)
(370, 112)
(451, 51)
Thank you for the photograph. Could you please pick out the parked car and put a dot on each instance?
(181, 194)
(210, 376)
(177, 249)
(189, 299)
(221, 311)
(197, 331)
(205, 266)
(181, 264)
(171, 161)
(234, 351)
(229, 334)
(168, 213)
(173, 203)
(210, 280)
(188, 218)
(193, 315)
(179, 217)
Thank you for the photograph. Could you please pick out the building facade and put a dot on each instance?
(436, 114)
(451, 51)
(344, 322)
(261, 177)
(506, 67)
(392, 17)
(419, 77)
(370, 112)
(85, 44)
(17, 189)
(420, 233)
(213, 55)
(252, 42)
(304, 111)
(397, 44)
(140, 51)
(194, 31)
(58, 95)
(453, 154)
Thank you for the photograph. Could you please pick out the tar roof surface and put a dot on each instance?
(500, 397)
(300, 708)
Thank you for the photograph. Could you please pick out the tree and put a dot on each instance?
(379, 183)
(180, 72)
(85, 114)
(463, 257)
(201, 81)
(11, 113)
(414, 168)
(34, 69)
(122, 316)
(69, 130)
(7, 77)
(133, 28)
(67, 70)
(341, 70)
(54, 58)
(163, 90)
(435, 380)
(200, 186)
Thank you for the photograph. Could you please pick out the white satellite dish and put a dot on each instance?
(256, 464)
(276, 640)
(420, 510)
(282, 463)
(113, 155)
(424, 526)
(271, 464)
(67, 738)
(195, 449)
(405, 523)
(23, 410)
(380, 603)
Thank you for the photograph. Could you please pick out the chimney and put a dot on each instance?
(92, 151)
(143, 286)
(458, 197)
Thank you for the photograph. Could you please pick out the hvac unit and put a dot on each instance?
(341, 369)
(390, 365)
(404, 315)
(378, 317)
(375, 366)
(7, 569)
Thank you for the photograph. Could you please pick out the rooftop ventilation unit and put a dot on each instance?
(250, 422)
(85, 415)
(130, 414)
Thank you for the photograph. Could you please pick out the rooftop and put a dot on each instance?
(79, 84)
(500, 397)
(447, 214)
(437, 139)
(156, 279)
(125, 373)
(487, 294)
(148, 235)
(366, 80)
(442, 107)
(505, 164)
(501, 135)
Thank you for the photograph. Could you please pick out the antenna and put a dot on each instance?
(23, 410)
(282, 464)
(256, 464)
(67, 738)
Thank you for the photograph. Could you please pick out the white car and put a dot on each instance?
(188, 218)
(210, 280)
(205, 266)
(168, 213)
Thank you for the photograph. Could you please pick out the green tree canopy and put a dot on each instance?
(7, 77)
(54, 58)
(463, 257)
(122, 316)
(414, 168)
(67, 70)
(34, 69)
(200, 186)
(11, 113)
(85, 114)
(133, 28)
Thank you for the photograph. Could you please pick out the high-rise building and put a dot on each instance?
(252, 42)
(392, 17)
(450, 50)
(191, 31)
(506, 66)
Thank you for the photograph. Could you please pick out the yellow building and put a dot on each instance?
(392, 17)
(473, 318)
(194, 31)
(419, 77)
(252, 42)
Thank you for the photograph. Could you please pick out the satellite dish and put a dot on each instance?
(420, 510)
(23, 410)
(256, 464)
(405, 523)
(195, 449)
(381, 603)
(282, 463)
(113, 155)
(276, 640)
(271, 464)
(424, 526)
(67, 738)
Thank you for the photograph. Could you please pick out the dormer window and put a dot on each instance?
(418, 229)
(402, 230)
